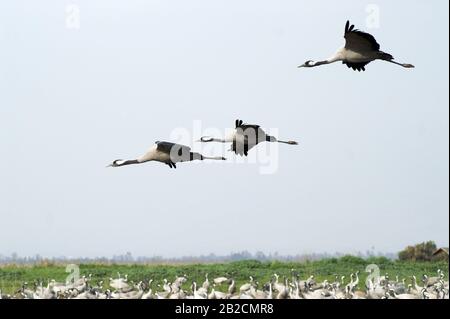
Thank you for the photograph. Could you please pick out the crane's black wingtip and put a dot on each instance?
(349, 27)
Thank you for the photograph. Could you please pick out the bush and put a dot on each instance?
(379, 260)
(352, 260)
(419, 252)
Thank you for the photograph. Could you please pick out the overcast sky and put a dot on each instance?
(78, 91)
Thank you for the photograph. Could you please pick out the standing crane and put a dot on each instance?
(360, 49)
(245, 137)
(167, 153)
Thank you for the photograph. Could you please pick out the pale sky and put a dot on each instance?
(371, 170)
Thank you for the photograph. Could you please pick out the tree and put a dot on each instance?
(420, 252)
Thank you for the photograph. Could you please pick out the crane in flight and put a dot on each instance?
(244, 137)
(167, 153)
(360, 49)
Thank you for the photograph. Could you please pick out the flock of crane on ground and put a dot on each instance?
(360, 49)
(225, 288)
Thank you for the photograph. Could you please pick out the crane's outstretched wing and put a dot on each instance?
(247, 136)
(240, 124)
(177, 152)
(359, 41)
(356, 66)
(241, 145)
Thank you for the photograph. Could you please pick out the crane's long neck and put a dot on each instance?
(127, 162)
(200, 157)
(335, 58)
(215, 158)
(319, 63)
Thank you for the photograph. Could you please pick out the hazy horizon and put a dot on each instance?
(233, 256)
(371, 170)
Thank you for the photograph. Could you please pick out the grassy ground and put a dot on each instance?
(12, 276)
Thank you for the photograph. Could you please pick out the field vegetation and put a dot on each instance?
(13, 276)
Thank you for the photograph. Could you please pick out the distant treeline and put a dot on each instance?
(421, 252)
(128, 258)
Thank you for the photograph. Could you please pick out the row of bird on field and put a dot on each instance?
(225, 288)
(360, 49)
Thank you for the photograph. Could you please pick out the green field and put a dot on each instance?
(12, 276)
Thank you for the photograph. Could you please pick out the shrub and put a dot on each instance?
(420, 252)
(352, 260)
(379, 260)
